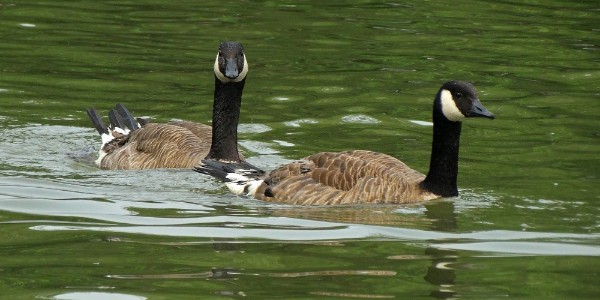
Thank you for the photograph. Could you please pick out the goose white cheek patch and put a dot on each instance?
(244, 71)
(224, 79)
(449, 108)
(218, 73)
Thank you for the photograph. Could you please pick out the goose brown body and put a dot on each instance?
(180, 144)
(170, 145)
(331, 178)
(359, 176)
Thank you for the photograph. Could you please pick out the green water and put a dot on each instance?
(343, 75)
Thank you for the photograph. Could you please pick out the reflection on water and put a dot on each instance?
(442, 273)
(231, 273)
(96, 296)
(364, 78)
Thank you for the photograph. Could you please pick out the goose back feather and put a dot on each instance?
(171, 145)
(331, 178)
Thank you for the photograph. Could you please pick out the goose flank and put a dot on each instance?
(360, 176)
(130, 143)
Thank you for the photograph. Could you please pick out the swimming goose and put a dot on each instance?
(359, 176)
(128, 143)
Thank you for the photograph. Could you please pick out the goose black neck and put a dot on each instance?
(226, 115)
(443, 167)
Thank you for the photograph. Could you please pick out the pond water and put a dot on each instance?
(336, 76)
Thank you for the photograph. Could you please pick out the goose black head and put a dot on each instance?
(458, 100)
(231, 64)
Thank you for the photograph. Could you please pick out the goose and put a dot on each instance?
(129, 143)
(361, 176)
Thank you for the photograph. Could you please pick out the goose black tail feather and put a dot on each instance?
(221, 170)
(127, 117)
(143, 121)
(97, 121)
(116, 120)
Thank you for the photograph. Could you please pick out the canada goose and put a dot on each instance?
(135, 144)
(359, 176)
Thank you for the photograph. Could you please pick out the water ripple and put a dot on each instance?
(495, 241)
(359, 119)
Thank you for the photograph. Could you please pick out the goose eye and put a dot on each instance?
(458, 95)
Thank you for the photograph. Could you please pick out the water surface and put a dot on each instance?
(332, 76)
